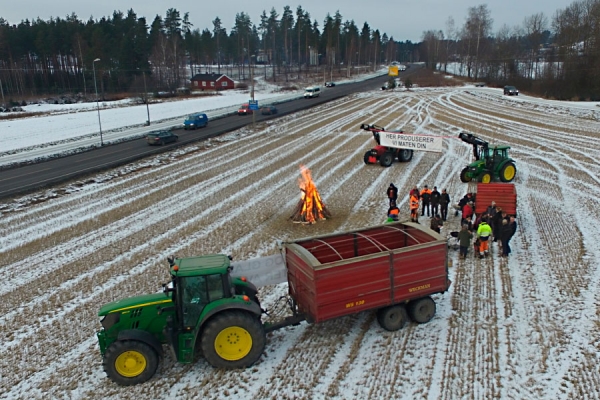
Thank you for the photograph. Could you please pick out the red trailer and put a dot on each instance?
(504, 194)
(392, 268)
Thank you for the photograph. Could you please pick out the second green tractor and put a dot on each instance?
(492, 163)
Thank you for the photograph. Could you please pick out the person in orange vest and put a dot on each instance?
(415, 191)
(414, 208)
(425, 199)
(393, 212)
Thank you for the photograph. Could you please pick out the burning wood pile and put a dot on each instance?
(310, 208)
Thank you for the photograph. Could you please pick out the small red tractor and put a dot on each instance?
(385, 155)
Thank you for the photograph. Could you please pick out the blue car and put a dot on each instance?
(193, 121)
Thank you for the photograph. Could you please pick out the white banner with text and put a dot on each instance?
(411, 141)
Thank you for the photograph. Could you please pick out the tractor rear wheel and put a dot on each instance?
(129, 362)
(367, 156)
(386, 159)
(421, 310)
(405, 155)
(233, 339)
(508, 172)
(392, 318)
(485, 177)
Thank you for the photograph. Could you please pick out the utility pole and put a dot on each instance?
(146, 98)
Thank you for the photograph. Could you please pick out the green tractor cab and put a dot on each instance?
(491, 162)
(202, 308)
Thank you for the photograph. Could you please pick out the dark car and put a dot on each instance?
(244, 109)
(511, 91)
(161, 137)
(268, 110)
(329, 84)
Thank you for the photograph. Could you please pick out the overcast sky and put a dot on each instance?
(401, 20)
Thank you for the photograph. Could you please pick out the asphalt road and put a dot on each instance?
(27, 178)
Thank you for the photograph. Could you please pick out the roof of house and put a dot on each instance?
(209, 77)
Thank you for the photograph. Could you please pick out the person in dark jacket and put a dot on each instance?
(464, 240)
(444, 201)
(461, 203)
(508, 230)
(392, 194)
(425, 200)
(497, 223)
(436, 223)
(435, 200)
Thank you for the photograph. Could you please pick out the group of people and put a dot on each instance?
(432, 202)
(493, 224)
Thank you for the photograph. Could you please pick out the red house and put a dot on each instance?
(212, 82)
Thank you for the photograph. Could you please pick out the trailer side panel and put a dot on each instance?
(335, 275)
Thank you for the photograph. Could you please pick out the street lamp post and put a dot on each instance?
(146, 97)
(97, 103)
(252, 90)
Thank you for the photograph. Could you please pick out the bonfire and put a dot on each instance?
(310, 208)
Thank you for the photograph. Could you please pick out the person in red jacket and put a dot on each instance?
(467, 214)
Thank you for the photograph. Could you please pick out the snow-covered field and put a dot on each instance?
(525, 327)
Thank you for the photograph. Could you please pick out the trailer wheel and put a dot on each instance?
(508, 172)
(392, 318)
(485, 177)
(367, 156)
(130, 362)
(421, 310)
(386, 159)
(464, 175)
(405, 155)
(233, 340)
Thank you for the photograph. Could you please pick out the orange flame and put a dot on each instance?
(312, 205)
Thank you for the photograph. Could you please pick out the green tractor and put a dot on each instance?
(491, 163)
(202, 308)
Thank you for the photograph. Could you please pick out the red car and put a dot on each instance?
(244, 110)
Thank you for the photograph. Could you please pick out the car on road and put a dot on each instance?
(268, 110)
(245, 109)
(193, 121)
(511, 91)
(161, 137)
(329, 84)
(311, 92)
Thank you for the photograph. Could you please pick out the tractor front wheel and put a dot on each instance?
(369, 158)
(233, 339)
(508, 172)
(464, 175)
(392, 318)
(386, 159)
(130, 362)
(485, 177)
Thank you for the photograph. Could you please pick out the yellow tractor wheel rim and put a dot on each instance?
(486, 178)
(233, 343)
(130, 364)
(509, 172)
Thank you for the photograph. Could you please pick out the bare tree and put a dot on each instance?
(475, 32)
(534, 26)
